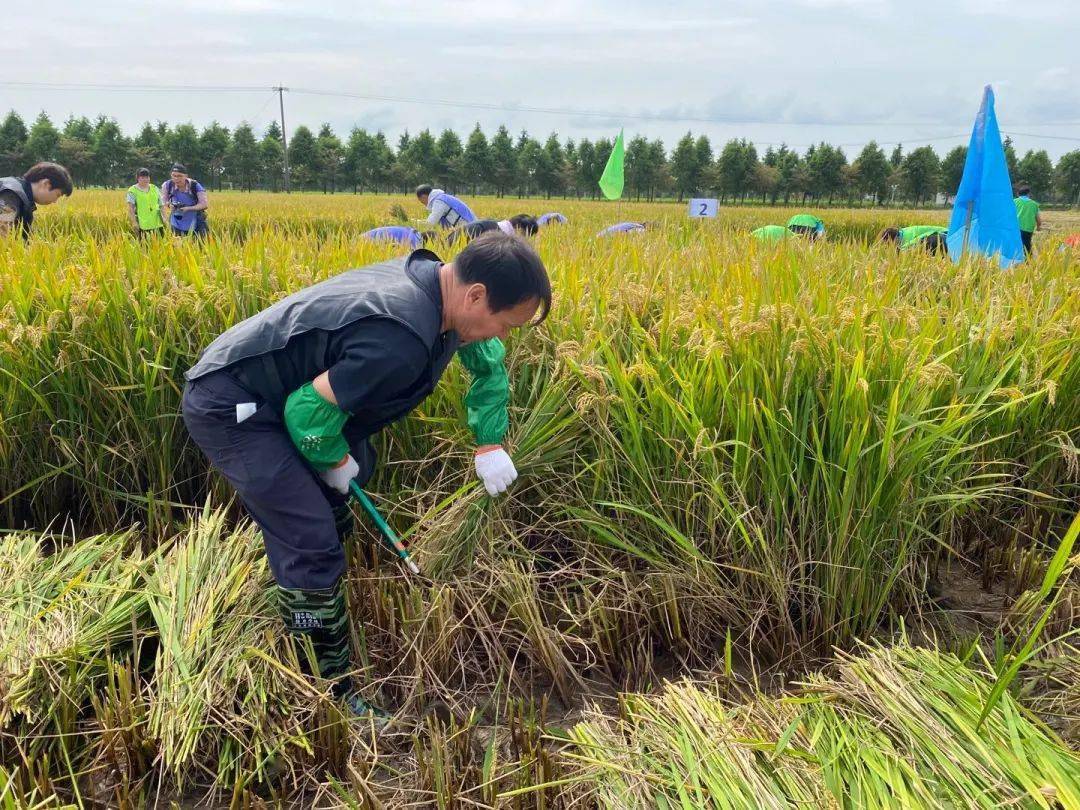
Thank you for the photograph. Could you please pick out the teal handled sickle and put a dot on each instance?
(389, 535)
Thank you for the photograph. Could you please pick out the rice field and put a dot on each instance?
(795, 526)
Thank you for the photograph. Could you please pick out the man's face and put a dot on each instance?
(478, 322)
(178, 178)
(423, 198)
(45, 194)
(143, 180)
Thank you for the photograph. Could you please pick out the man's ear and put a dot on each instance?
(476, 292)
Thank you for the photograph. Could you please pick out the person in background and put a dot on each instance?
(929, 237)
(188, 202)
(43, 184)
(807, 225)
(624, 227)
(1027, 215)
(519, 224)
(447, 211)
(399, 233)
(551, 218)
(146, 212)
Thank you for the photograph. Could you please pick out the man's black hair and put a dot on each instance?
(57, 175)
(890, 235)
(509, 268)
(422, 189)
(1023, 189)
(472, 230)
(142, 173)
(179, 167)
(525, 223)
(936, 243)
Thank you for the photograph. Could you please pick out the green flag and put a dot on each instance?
(611, 181)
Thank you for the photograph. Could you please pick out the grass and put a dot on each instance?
(729, 455)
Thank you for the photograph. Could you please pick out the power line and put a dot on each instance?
(473, 105)
(1052, 137)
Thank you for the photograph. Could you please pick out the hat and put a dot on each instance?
(179, 167)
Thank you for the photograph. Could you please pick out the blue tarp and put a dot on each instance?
(983, 216)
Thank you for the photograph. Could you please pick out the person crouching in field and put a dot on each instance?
(399, 233)
(551, 218)
(188, 200)
(43, 184)
(518, 224)
(447, 211)
(807, 225)
(624, 227)
(146, 211)
(285, 404)
(930, 238)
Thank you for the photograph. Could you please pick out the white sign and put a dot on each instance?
(703, 208)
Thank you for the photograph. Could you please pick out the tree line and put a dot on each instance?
(99, 153)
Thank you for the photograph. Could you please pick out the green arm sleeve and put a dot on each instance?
(489, 394)
(315, 427)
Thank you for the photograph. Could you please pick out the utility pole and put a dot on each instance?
(284, 140)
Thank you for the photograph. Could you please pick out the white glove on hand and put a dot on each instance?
(339, 477)
(496, 470)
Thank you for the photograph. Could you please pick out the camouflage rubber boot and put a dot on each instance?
(320, 616)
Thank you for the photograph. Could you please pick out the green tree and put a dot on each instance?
(952, 169)
(585, 172)
(329, 155)
(43, 142)
(921, 174)
(1038, 172)
(1067, 177)
(897, 156)
(476, 160)
(419, 161)
(503, 162)
(551, 171)
(450, 154)
(871, 172)
(530, 155)
(303, 158)
(112, 153)
(76, 148)
(244, 159)
(272, 156)
(214, 145)
(146, 151)
(181, 145)
(686, 167)
(736, 168)
(13, 137)
(1010, 158)
(826, 170)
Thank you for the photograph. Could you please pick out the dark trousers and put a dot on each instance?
(283, 495)
(1025, 237)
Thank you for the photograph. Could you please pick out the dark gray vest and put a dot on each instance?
(386, 290)
(26, 211)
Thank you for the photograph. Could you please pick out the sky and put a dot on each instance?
(773, 71)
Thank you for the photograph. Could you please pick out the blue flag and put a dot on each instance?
(983, 215)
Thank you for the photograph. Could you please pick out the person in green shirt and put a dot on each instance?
(771, 234)
(1027, 215)
(807, 225)
(929, 237)
(145, 210)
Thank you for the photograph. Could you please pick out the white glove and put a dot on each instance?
(339, 477)
(496, 470)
